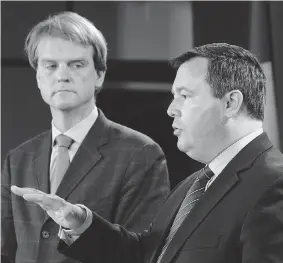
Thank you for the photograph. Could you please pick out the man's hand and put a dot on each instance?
(62, 212)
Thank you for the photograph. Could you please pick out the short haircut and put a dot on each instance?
(230, 68)
(69, 26)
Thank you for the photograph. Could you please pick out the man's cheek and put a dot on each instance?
(42, 78)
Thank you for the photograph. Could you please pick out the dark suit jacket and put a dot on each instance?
(238, 219)
(117, 172)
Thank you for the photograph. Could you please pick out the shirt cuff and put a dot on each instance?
(69, 236)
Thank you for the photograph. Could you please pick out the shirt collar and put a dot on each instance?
(80, 130)
(220, 162)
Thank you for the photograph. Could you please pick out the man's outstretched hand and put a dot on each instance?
(62, 212)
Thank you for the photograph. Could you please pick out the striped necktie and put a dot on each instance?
(190, 200)
(62, 161)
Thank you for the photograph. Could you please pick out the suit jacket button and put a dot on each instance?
(45, 234)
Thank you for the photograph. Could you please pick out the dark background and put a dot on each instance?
(136, 91)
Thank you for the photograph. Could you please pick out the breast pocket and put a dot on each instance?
(207, 242)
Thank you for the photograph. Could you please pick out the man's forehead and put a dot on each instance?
(57, 45)
(194, 70)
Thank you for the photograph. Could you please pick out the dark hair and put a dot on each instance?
(70, 26)
(230, 68)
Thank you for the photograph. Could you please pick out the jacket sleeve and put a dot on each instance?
(144, 189)
(104, 242)
(262, 232)
(8, 238)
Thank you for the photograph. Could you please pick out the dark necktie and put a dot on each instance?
(190, 200)
(62, 161)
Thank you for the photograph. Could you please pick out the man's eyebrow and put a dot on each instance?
(47, 60)
(68, 61)
(77, 60)
(179, 89)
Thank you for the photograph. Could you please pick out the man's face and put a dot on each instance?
(66, 75)
(198, 115)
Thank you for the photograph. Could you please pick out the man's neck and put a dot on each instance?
(65, 120)
(234, 132)
(240, 131)
(237, 132)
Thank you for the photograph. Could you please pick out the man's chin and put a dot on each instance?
(181, 146)
(186, 149)
(65, 106)
(190, 151)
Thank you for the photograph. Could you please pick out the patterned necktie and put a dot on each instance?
(61, 162)
(190, 200)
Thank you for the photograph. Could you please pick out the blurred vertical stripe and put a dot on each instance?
(266, 22)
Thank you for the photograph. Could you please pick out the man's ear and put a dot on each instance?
(38, 78)
(233, 103)
(100, 78)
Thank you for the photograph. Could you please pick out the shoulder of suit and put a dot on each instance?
(269, 164)
(29, 145)
(129, 135)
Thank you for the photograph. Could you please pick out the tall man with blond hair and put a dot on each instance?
(84, 158)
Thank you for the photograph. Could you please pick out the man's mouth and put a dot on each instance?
(177, 131)
(63, 90)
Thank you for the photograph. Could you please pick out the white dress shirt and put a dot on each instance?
(216, 165)
(77, 133)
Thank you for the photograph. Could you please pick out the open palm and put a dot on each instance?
(62, 212)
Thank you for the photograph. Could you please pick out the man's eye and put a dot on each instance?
(184, 96)
(51, 66)
(77, 65)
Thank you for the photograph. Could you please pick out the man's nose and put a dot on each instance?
(173, 110)
(62, 73)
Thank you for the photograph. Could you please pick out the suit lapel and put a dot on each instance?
(222, 185)
(42, 161)
(165, 218)
(86, 157)
(208, 201)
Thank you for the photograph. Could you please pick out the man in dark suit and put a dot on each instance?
(85, 158)
(231, 210)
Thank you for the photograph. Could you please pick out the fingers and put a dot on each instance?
(20, 191)
(38, 199)
(46, 201)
